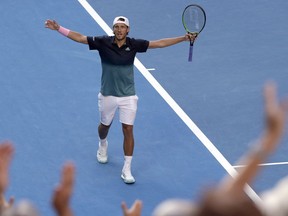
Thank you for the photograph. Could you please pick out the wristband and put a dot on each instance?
(63, 31)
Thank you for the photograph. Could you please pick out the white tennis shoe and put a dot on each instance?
(126, 175)
(102, 155)
(128, 178)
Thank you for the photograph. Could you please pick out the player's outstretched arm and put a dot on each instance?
(170, 41)
(53, 25)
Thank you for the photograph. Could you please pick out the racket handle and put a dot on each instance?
(190, 53)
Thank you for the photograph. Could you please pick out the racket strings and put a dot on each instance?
(194, 19)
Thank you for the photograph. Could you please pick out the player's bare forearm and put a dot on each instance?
(170, 41)
(77, 37)
(53, 25)
(166, 42)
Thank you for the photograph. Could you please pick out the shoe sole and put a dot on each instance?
(102, 161)
(127, 181)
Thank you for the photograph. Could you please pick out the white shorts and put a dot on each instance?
(108, 106)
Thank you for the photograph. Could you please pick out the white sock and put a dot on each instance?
(103, 142)
(128, 159)
(127, 163)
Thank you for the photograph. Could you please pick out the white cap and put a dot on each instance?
(121, 19)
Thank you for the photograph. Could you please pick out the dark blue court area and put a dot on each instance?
(49, 86)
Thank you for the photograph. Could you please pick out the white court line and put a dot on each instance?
(264, 164)
(178, 110)
(151, 69)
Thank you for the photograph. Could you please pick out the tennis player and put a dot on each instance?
(117, 92)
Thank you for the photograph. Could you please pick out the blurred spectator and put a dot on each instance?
(63, 192)
(229, 197)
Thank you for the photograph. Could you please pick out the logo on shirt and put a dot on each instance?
(127, 49)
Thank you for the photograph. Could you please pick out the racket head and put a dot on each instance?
(194, 19)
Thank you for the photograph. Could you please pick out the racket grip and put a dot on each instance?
(190, 53)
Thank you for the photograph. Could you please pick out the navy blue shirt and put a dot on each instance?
(117, 64)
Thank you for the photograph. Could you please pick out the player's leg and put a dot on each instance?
(128, 143)
(103, 131)
(127, 114)
(128, 147)
(107, 108)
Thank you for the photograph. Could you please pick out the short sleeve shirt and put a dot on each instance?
(117, 64)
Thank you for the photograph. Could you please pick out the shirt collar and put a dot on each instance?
(125, 44)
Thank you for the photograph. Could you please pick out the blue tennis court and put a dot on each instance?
(194, 120)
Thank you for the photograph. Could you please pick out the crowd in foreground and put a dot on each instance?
(229, 197)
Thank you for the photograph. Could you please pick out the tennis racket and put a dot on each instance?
(194, 20)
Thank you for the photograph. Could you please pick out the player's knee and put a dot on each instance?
(127, 129)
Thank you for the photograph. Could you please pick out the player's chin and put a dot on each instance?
(120, 37)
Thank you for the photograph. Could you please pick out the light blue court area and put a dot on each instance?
(195, 120)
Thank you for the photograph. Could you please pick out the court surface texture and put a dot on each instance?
(194, 120)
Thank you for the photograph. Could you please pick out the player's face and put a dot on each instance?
(120, 30)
